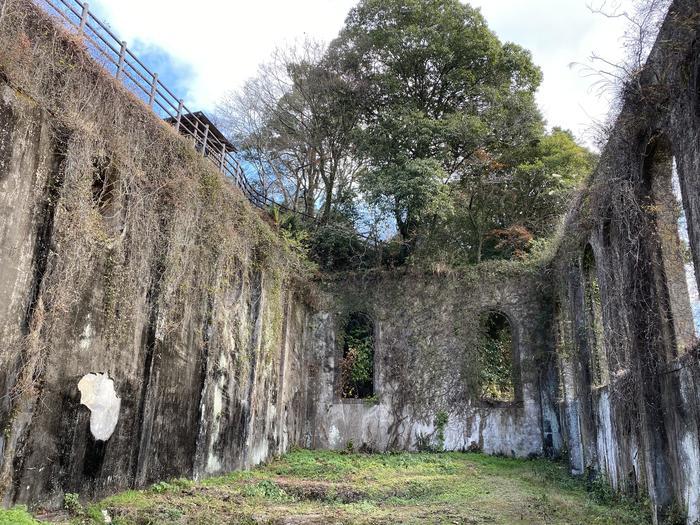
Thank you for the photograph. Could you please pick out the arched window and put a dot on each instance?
(665, 206)
(496, 349)
(357, 365)
(594, 319)
(106, 195)
(689, 262)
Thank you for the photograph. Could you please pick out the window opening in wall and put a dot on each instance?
(105, 195)
(496, 358)
(664, 209)
(689, 264)
(594, 319)
(103, 185)
(357, 366)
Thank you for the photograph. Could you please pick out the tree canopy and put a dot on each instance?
(416, 115)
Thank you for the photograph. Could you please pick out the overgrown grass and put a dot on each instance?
(320, 487)
(16, 516)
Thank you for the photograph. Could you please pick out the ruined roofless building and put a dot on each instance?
(154, 327)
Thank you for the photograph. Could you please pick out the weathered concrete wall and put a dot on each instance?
(136, 284)
(125, 255)
(640, 426)
(424, 328)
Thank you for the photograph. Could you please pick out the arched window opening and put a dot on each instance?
(357, 365)
(105, 194)
(103, 185)
(684, 236)
(665, 206)
(594, 319)
(497, 380)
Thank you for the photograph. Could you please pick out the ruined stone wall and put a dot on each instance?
(630, 403)
(425, 345)
(125, 255)
(133, 278)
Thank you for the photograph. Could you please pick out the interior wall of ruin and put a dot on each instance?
(150, 324)
(629, 379)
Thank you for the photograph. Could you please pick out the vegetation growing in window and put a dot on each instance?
(496, 358)
(357, 366)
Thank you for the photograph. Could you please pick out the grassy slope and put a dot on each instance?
(307, 487)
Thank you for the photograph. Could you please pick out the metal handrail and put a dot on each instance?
(145, 84)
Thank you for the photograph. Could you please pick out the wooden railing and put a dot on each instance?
(117, 58)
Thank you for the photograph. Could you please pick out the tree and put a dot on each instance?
(292, 123)
(437, 87)
(506, 202)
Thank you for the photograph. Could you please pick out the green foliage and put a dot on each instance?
(509, 200)
(357, 366)
(266, 489)
(330, 487)
(169, 486)
(16, 516)
(600, 491)
(71, 502)
(676, 515)
(417, 117)
(161, 486)
(496, 358)
(440, 422)
(437, 85)
(424, 441)
(336, 246)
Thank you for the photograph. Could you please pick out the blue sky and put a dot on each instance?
(203, 50)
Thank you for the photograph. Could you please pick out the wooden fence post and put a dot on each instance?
(122, 55)
(206, 137)
(180, 104)
(154, 86)
(84, 17)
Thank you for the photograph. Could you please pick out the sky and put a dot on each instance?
(207, 48)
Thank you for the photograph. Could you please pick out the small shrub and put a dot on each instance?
(676, 515)
(17, 516)
(357, 365)
(266, 489)
(161, 486)
(599, 489)
(71, 502)
(440, 422)
(423, 442)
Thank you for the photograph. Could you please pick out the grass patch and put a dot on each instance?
(16, 516)
(322, 487)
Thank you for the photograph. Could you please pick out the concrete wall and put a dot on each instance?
(424, 343)
(144, 301)
(149, 324)
(640, 427)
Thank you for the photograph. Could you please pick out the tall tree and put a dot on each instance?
(293, 124)
(506, 202)
(437, 88)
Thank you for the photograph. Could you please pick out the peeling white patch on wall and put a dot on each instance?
(98, 394)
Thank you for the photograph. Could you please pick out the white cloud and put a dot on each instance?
(560, 33)
(224, 41)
